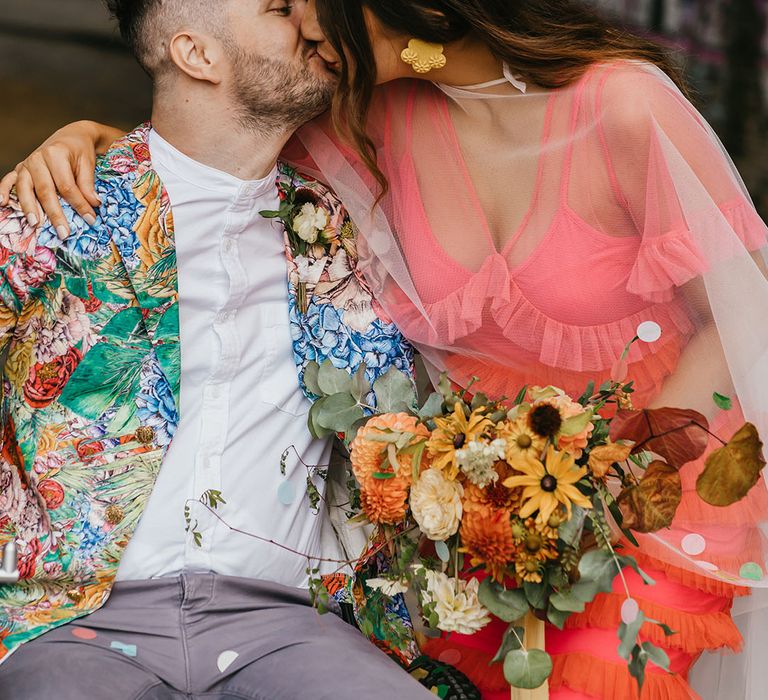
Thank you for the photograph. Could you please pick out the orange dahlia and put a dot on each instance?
(367, 453)
(385, 501)
(486, 535)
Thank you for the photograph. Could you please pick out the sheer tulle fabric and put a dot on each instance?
(529, 249)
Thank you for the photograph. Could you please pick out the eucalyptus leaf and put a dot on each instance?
(332, 380)
(566, 602)
(394, 392)
(360, 384)
(570, 531)
(432, 407)
(637, 663)
(527, 669)
(310, 379)
(317, 430)
(657, 655)
(509, 605)
(510, 642)
(628, 635)
(557, 617)
(339, 413)
(536, 593)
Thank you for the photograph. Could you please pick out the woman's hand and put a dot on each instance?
(64, 165)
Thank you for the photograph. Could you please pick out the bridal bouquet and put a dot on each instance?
(514, 507)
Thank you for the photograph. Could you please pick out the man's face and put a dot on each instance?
(277, 77)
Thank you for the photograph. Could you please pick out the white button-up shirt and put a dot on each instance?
(241, 405)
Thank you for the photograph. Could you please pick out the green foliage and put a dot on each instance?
(507, 604)
(527, 668)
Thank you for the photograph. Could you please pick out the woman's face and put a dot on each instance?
(386, 46)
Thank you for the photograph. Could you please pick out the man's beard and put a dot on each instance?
(274, 95)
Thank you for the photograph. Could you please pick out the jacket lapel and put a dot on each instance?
(143, 241)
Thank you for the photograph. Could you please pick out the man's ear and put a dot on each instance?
(200, 56)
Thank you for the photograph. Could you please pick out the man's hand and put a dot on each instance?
(63, 165)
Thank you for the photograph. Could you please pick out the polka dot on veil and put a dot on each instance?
(693, 544)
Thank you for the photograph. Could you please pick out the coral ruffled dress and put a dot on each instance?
(528, 251)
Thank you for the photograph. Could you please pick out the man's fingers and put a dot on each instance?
(6, 185)
(60, 169)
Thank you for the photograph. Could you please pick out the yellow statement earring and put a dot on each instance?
(423, 56)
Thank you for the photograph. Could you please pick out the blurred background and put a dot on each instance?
(62, 60)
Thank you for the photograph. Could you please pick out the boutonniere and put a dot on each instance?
(316, 227)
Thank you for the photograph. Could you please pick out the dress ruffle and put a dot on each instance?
(674, 258)
(492, 293)
(694, 631)
(612, 680)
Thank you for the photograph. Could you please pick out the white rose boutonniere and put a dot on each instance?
(310, 222)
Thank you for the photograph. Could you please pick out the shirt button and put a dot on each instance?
(228, 245)
(225, 316)
(213, 392)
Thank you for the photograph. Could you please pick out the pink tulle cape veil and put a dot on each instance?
(526, 235)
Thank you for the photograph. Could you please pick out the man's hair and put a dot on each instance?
(147, 25)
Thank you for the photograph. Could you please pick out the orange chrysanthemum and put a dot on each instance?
(495, 494)
(385, 501)
(486, 535)
(367, 454)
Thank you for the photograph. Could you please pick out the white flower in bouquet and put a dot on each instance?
(309, 222)
(476, 460)
(456, 602)
(387, 586)
(436, 504)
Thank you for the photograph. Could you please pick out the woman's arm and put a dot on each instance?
(63, 165)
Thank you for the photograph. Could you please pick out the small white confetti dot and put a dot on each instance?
(629, 611)
(286, 493)
(694, 545)
(649, 331)
(450, 656)
(226, 659)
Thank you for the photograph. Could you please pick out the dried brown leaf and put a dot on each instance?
(732, 470)
(602, 458)
(675, 434)
(651, 505)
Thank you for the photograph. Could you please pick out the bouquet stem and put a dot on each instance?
(534, 639)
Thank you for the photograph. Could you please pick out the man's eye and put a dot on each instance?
(284, 11)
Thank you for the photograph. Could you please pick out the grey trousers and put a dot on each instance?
(205, 636)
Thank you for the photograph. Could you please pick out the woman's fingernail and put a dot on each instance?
(89, 219)
(31, 219)
(62, 232)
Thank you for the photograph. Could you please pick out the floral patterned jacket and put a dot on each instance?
(89, 332)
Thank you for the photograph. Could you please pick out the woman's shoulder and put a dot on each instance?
(630, 95)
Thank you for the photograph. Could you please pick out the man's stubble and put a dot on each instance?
(272, 95)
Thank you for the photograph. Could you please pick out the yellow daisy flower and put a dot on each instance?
(523, 445)
(548, 485)
(452, 433)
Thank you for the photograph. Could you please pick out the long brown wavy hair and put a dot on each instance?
(549, 42)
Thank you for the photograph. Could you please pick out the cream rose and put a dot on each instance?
(309, 222)
(456, 602)
(436, 504)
